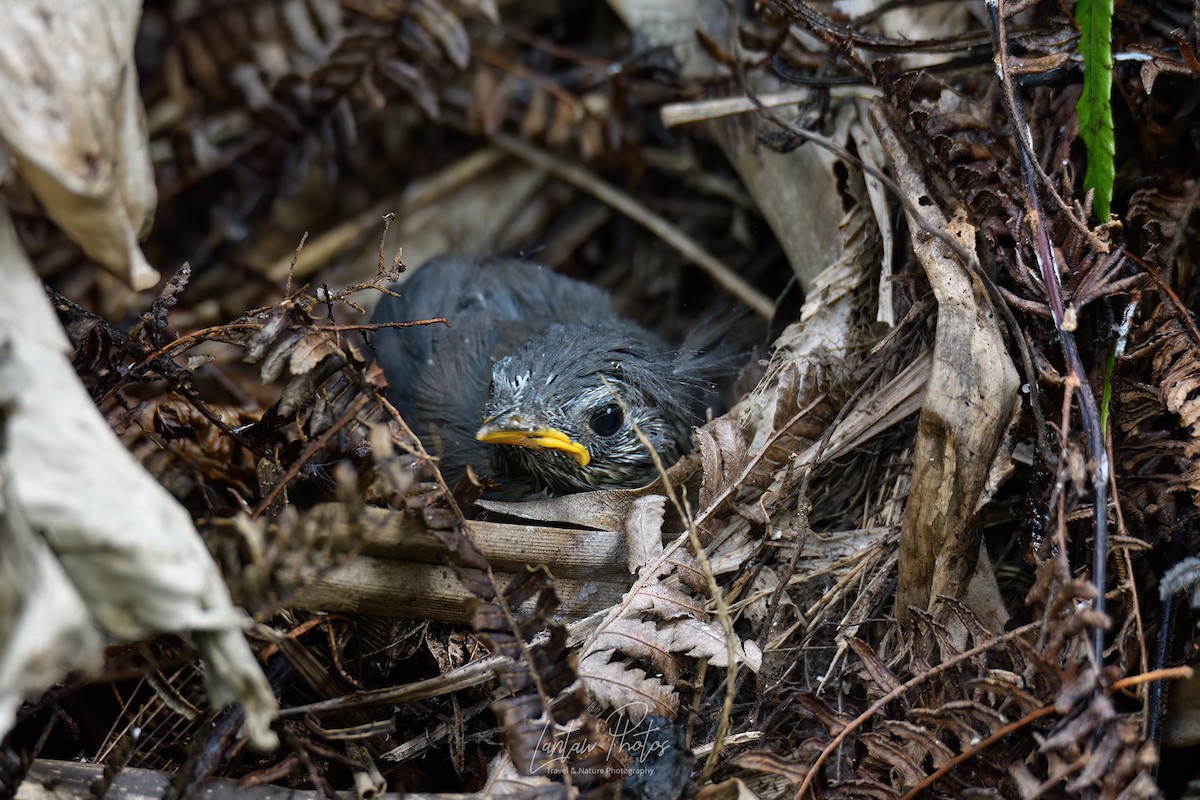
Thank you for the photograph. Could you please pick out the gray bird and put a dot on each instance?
(539, 383)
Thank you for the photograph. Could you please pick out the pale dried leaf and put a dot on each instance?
(672, 26)
(627, 689)
(643, 531)
(807, 352)
(970, 400)
(45, 628)
(870, 151)
(605, 510)
(641, 639)
(687, 570)
(277, 359)
(410, 79)
(667, 602)
(1027, 783)
(72, 117)
(505, 780)
(312, 350)
(779, 182)
(1143, 787)
(446, 29)
(660, 643)
(772, 764)
(984, 599)
(923, 22)
(723, 454)
(485, 8)
(707, 640)
(129, 549)
(729, 789)
(265, 336)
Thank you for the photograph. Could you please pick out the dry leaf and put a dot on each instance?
(643, 531)
(641, 639)
(627, 689)
(668, 602)
(311, 351)
(772, 764)
(45, 628)
(605, 510)
(446, 28)
(707, 640)
(129, 549)
(72, 117)
(729, 789)
(970, 400)
(779, 182)
(485, 8)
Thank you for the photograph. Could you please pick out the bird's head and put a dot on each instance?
(563, 408)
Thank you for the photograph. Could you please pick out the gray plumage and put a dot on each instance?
(532, 350)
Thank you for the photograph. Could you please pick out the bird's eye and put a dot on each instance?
(492, 388)
(607, 420)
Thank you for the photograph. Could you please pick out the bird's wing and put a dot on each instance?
(433, 291)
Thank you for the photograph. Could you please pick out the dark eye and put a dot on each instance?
(607, 420)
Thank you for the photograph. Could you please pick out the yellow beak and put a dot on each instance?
(543, 438)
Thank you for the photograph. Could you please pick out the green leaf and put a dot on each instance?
(1095, 104)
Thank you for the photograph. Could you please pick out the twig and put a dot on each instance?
(911, 683)
(700, 110)
(469, 675)
(823, 25)
(971, 752)
(327, 246)
(1088, 411)
(1030, 718)
(291, 274)
(684, 509)
(311, 450)
(374, 326)
(656, 224)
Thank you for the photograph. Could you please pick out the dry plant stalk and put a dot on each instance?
(968, 404)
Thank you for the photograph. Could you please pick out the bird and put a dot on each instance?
(539, 384)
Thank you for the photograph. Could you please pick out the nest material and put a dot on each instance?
(872, 578)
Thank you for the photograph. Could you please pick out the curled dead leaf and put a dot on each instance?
(78, 135)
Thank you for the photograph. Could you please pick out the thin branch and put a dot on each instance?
(821, 24)
(899, 691)
(639, 213)
(1088, 411)
(1029, 719)
(311, 450)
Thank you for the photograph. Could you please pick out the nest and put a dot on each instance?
(880, 574)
